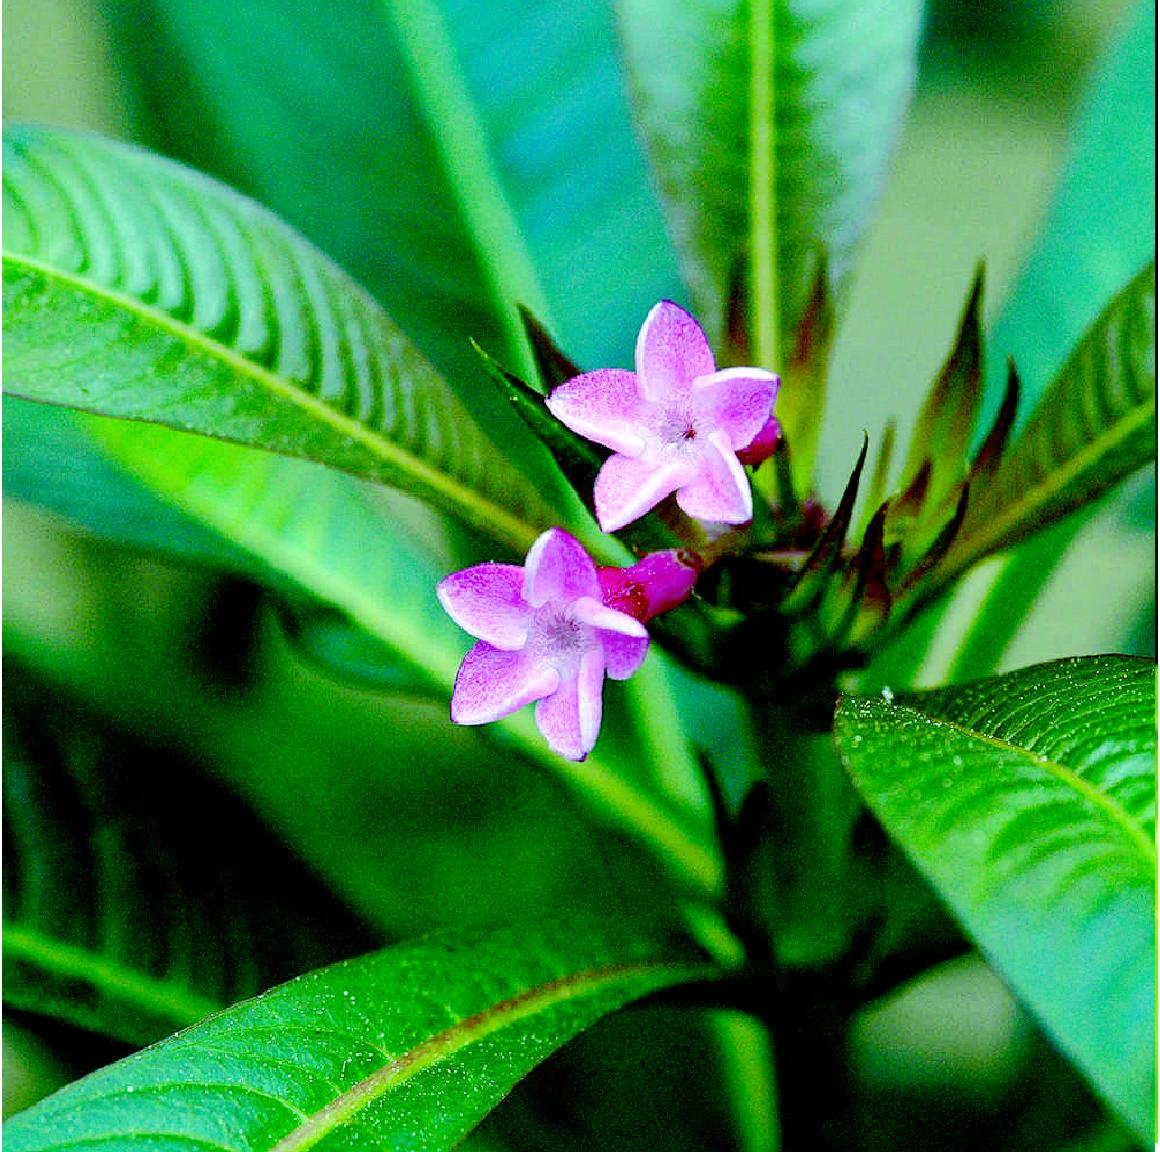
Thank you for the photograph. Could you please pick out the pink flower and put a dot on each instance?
(544, 634)
(676, 424)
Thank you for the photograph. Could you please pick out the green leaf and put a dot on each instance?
(1100, 227)
(404, 1048)
(769, 129)
(1099, 230)
(1096, 425)
(135, 288)
(120, 914)
(51, 461)
(1028, 801)
(307, 114)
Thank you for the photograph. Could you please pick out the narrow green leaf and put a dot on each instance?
(1096, 425)
(135, 288)
(990, 452)
(410, 1047)
(1029, 801)
(120, 914)
(769, 129)
(826, 555)
(456, 131)
(554, 365)
(579, 459)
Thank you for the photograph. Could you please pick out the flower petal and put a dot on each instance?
(492, 683)
(604, 406)
(570, 718)
(737, 401)
(626, 488)
(596, 614)
(488, 602)
(558, 568)
(671, 351)
(623, 654)
(720, 490)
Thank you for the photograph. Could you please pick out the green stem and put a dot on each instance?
(458, 135)
(764, 320)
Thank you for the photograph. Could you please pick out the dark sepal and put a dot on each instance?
(991, 450)
(553, 365)
(880, 477)
(946, 423)
(827, 553)
(870, 598)
(942, 543)
(578, 459)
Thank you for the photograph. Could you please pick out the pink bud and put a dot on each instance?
(763, 445)
(653, 585)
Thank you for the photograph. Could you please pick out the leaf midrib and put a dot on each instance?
(1052, 484)
(1066, 776)
(180, 1006)
(765, 320)
(457, 129)
(446, 1044)
(478, 510)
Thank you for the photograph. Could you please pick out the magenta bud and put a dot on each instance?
(655, 584)
(763, 445)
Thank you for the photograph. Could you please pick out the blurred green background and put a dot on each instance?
(156, 647)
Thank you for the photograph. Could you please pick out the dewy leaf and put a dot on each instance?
(1029, 802)
(1096, 425)
(410, 1047)
(138, 289)
(769, 128)
(120, 914)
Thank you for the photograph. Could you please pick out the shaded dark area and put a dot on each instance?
(121, 852)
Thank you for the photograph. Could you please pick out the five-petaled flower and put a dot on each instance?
(545, 634)
(676, 424)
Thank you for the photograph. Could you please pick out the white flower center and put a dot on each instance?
(676, 427)
(556, 634)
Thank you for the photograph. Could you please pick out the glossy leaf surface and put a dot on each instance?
(405, 1048)
(135, 288)
(1029, 802)
(1099, 230)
